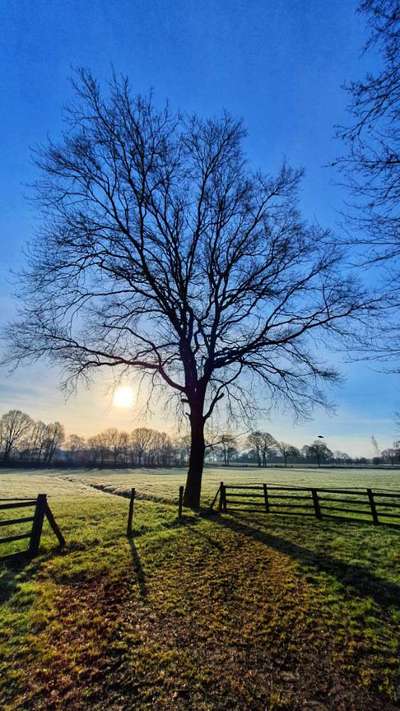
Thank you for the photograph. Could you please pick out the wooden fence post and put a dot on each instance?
(225, 505)
(221, 497)
(54, 525)
(130, 513)
(373, 506)
(317, 507)
(180, 504)
(37, 525)
(266, 498)
(215, 498)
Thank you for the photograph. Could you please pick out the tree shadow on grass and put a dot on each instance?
(362, 580)
(138, 568)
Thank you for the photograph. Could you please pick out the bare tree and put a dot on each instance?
(114, 442)
(287, 450)
(14, 428)
(255, 441)
(263, 444)
(141, 440)
(372, 162)
(54, 437)
(391, 454)
(161, 449)
(75, 443)
(228, 447)
(76, 448)
(162, 252)
(268, 446)
(97, 449)
(37, 441)
(318, 451)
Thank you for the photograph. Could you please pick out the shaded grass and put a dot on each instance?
(239, 611)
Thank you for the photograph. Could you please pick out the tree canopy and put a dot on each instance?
(372, 162)
(162, 252)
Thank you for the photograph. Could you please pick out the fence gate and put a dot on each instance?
(39, 511)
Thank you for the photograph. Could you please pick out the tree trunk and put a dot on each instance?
(196, 459)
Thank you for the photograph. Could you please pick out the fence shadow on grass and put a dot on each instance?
(366, 584)
(138, 568)
(206, 538)
(20, 569)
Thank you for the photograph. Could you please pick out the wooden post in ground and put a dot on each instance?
(224, 499)
(54, 525)
(266, 498)
(221, 497)
(37, 525)
(180, 503)
(317, 507)
(373, 506)
(215, 498)
(130, 513)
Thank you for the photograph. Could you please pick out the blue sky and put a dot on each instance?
(277, 64)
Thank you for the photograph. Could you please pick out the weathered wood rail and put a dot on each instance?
(380, 505)
(40, 511)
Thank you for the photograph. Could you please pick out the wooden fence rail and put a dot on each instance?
(41, 510)
(320, 502)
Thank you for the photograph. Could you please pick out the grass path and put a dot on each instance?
(215, 613)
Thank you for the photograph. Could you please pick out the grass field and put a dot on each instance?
(165, 483)
(239, 611)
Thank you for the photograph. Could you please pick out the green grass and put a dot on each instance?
(238, 611)
(164, 483)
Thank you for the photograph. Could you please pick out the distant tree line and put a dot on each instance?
(26, 441)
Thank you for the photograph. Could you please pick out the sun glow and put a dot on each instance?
(123, 396)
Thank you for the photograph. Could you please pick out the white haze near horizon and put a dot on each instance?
(358, 413)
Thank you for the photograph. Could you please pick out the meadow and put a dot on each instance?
(164, 483)
(242, 611)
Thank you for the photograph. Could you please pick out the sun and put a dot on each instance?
(123, 396)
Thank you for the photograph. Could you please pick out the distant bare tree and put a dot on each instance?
(341, 457)
(140, 441)
(255, 441)
(37, 441)
(228, 446)
(317, 451)
(14, 428)
(263, 444)
(75, 446)
(161, 449)
(268, 446)
(391, 454)
(97, 449)
(112, 442)
(54, 437)
(162, 252)
(287, 450)
(75, 443)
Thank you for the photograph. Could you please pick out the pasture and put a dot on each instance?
(242, 611)
(164, 483)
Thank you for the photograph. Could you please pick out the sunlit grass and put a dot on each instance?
(215, 612)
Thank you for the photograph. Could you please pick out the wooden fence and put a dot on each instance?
(40, 511)
(380, 505)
